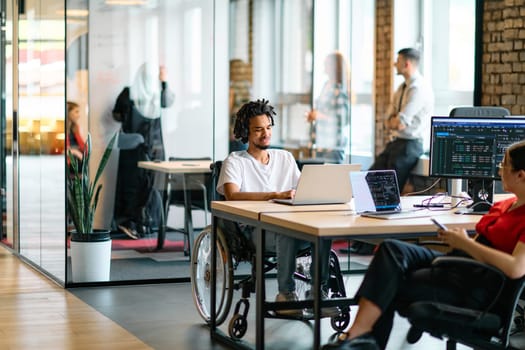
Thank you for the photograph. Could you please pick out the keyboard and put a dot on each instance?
(393, 215)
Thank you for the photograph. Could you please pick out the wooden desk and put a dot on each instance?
(314, 227)
(170, 168)
(313, 223)
(253, 209)
(178, 167)
(339, 224)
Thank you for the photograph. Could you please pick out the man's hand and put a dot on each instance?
(163, 75)
(285, 195)
(395, 123)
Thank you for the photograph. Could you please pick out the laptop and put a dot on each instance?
(376, 195)
(323, 184)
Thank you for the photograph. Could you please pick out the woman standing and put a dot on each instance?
(138, 108)
(330, 119)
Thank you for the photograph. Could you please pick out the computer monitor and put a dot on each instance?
(471, 149)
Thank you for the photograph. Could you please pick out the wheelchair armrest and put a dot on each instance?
(434, 243)
(468, 263)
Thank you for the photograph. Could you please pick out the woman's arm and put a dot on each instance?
(512, 265)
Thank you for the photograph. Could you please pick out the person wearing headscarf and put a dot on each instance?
(138, 108)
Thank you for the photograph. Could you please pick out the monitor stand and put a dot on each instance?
(482, 193)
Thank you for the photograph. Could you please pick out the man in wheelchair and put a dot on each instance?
(261, 173)
(396, 276)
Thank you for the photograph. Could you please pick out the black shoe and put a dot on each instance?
(363, 342)
(129, 231)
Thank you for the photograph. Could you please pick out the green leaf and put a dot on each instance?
(81, 194)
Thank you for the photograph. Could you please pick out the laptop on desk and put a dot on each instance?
(376, 195)
(323, 184)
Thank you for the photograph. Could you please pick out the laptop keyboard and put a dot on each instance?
(398, 215)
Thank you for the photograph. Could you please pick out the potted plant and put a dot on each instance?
(90, 248)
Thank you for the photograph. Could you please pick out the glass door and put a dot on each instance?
(6, 124)
(41, 96)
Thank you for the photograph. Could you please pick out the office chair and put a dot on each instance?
(487, 329)
(479, 111)
(196, 188)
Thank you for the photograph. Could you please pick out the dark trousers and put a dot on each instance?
(400, 155)
(400, 274)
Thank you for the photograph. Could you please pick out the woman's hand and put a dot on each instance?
(455, 238)
(312, 116)
(75, 152)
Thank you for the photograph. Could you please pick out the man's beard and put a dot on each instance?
(261, 147)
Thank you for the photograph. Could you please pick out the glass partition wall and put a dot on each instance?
(144, 70)
(298, 54)
(40, 119)
(7, 236)
(98, 53)
(89, 51)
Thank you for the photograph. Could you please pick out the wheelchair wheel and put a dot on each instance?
(340, 322)
(201, 276)
(238, 326)
(302, 275)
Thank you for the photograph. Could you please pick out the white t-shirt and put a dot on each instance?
(280, 174)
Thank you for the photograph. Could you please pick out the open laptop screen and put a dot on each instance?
(375, 190)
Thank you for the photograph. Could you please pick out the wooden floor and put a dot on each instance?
(35, 313)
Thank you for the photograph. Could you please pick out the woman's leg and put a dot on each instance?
(387, 272)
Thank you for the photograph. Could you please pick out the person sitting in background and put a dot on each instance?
(395, 279)
(75, 140)
(261, 173)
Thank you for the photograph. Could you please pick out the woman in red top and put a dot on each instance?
(396, 276)
(75, 141)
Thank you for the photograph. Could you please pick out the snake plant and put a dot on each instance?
(82, 194)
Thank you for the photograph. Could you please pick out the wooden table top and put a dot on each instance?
(178, 167)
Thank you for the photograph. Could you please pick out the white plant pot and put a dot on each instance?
(90, 261)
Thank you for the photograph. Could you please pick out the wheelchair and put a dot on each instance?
(232, 249)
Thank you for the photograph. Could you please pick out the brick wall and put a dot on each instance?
(384, 79)
(503, 62)
(503, 59)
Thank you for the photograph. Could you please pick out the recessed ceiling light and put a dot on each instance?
(126, 2)
(74, 13)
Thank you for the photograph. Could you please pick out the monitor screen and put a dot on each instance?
(471, 148)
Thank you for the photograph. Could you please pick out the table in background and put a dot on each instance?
(170, 168)
(312, 224)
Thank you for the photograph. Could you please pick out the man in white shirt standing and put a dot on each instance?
(261, 173)
(408, 118)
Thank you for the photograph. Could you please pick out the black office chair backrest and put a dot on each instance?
(479, 111)
(195, 189)
(215, 172)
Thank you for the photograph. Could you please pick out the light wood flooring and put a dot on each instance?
(35, 313)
